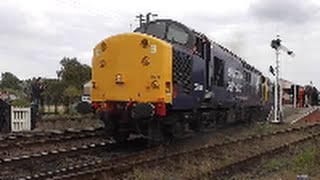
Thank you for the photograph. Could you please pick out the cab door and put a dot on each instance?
(204, 51)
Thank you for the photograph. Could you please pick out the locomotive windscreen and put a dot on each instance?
(157, 29)
(176, 34)
(170, 31)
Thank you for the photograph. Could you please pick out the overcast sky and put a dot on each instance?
(36, 34)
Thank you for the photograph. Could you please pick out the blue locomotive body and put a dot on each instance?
(210, 86)
(214, 77)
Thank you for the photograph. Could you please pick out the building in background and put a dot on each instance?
(86, 92)
(286, 91)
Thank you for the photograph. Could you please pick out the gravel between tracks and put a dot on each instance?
(62, 123)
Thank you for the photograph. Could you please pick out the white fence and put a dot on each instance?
(20, 119)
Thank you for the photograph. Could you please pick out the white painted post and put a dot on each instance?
(276, 91)
(276, 44)
(280, 101)
(294, 96)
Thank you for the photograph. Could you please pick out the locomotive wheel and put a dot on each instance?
(250, 116)
(121, 137)
(167, 131)
(263, 113)
(161, 130)
(168, 128)
(196, 125)
(112, 128)
(109, 125)
(221, 117)
(231, 116)
(212, 120)
(154, 131)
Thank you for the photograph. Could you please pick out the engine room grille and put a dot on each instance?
(182, 69)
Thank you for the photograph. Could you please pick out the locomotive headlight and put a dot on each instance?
(100, 49)
(145, 61)
(119, 79)
(144, 43)
(155, 84)
(168, 88)
(94, 85)
(97, 52)
(102, 63)
(103, 46)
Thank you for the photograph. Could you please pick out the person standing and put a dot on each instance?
(5, 110)
(301, 97)
(37, 88)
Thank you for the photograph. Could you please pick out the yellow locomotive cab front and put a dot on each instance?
(132, 67)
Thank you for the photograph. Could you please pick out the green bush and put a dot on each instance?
(20, 103)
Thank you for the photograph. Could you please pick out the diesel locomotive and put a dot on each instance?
(164, 78)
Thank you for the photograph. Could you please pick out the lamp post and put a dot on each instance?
(276, 44)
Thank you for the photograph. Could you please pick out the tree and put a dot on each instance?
(73, 72)
(53, 94)
(73, 76)
(71, 95)
(10, 81)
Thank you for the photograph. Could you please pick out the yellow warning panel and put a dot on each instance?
(132, 67)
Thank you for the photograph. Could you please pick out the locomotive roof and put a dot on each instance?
(194, 34)
(243, 62)
(161, 27)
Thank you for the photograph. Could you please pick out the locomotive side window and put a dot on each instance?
(177, 34)
(199, 46)
(247, 76)
(157, 29)
(218, 72)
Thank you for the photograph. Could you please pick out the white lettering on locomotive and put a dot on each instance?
(232, 85)
(198, 87)
(153, 48)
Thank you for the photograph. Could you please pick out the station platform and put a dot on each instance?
(293, 115)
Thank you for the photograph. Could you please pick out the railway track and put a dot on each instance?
(17, 139)
(40, 161)
(246, 158)
(16, 145)
(18, 151)
(77, 170)
(243, 163)
(14, 167)
(121, 167)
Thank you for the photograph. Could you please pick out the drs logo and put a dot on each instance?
(198, 87)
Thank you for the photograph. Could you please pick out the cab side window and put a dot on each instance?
(247, 76)
(218, 76)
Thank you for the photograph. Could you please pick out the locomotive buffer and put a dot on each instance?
(276, 44)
